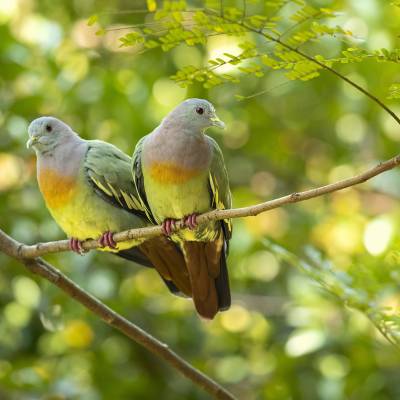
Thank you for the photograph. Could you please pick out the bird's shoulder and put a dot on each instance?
(107, 170)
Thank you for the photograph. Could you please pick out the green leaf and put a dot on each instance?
(130, 39)
(394, 91)
(101, 32)
(151, 5)
(92, 19)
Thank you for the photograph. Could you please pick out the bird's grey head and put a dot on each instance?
(46, 133)
(197, 114)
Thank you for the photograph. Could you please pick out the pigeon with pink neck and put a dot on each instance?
(88, 188)
(179, 173)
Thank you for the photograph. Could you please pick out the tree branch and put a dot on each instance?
(28, 256)
(39, 249)
(42, 268)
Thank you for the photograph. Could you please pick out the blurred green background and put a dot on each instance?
(284, 337)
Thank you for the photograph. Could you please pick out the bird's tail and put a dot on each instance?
(206, 263)
(222, 282)
(163, 255)
(168, 260)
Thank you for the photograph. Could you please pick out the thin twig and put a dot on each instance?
(338, 74)
(244, 12)
(298, 24)
(269, 90)
(40, 249)
(144, 11)
(42, 268)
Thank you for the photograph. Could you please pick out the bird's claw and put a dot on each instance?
(190, 221)
(76, 246)
(168, 226)
(107, 240)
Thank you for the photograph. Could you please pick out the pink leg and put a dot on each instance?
(168, 226)
(191, 221)
(106, 240)
(76, 246)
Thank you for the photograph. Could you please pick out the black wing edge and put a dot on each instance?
(222, 281)
(139, 183)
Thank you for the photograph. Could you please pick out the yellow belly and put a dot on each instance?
(80, 213)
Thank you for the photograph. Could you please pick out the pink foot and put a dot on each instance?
(76, 246)
(106, 240)
(191, 221)
(168, 226)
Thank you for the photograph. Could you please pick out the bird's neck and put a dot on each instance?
(178, 146)
(58, 172)
(64, 158)
(170, 125)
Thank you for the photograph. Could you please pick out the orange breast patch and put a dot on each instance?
(56, 189)
(171, 174)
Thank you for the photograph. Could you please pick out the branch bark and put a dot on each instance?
(28, 255)
(39, 249)
(42, 268)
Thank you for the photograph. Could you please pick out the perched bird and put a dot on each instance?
(180, 172)
(88, 188)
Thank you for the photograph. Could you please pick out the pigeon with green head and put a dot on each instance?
(179, 173)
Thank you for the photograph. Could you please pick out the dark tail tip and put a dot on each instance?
(222, 284)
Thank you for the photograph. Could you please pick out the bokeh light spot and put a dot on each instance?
(85, 36)
(357, 26)
(16, 314)
(38, 30)
(390, 127)
(236, 319)
(232, 369)
(11, 169)
(26, 291)
(351, 128)
(217, 46)
(78, 334)
(168, 93)
(263, 183)
(334, 366)
(262, 265)
(377, 235)
(102, 283)
(304, 342)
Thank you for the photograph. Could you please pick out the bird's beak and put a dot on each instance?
(217, 122)
(31, 141)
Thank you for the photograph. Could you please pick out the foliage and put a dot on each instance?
(394, 91)
(284, 337)
(283, 45)
(361, 287)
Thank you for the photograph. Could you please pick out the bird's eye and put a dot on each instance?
(200, 110)
(49, 128)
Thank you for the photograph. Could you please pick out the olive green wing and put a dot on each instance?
(219, 185)
(137, 174)
(108, 171)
